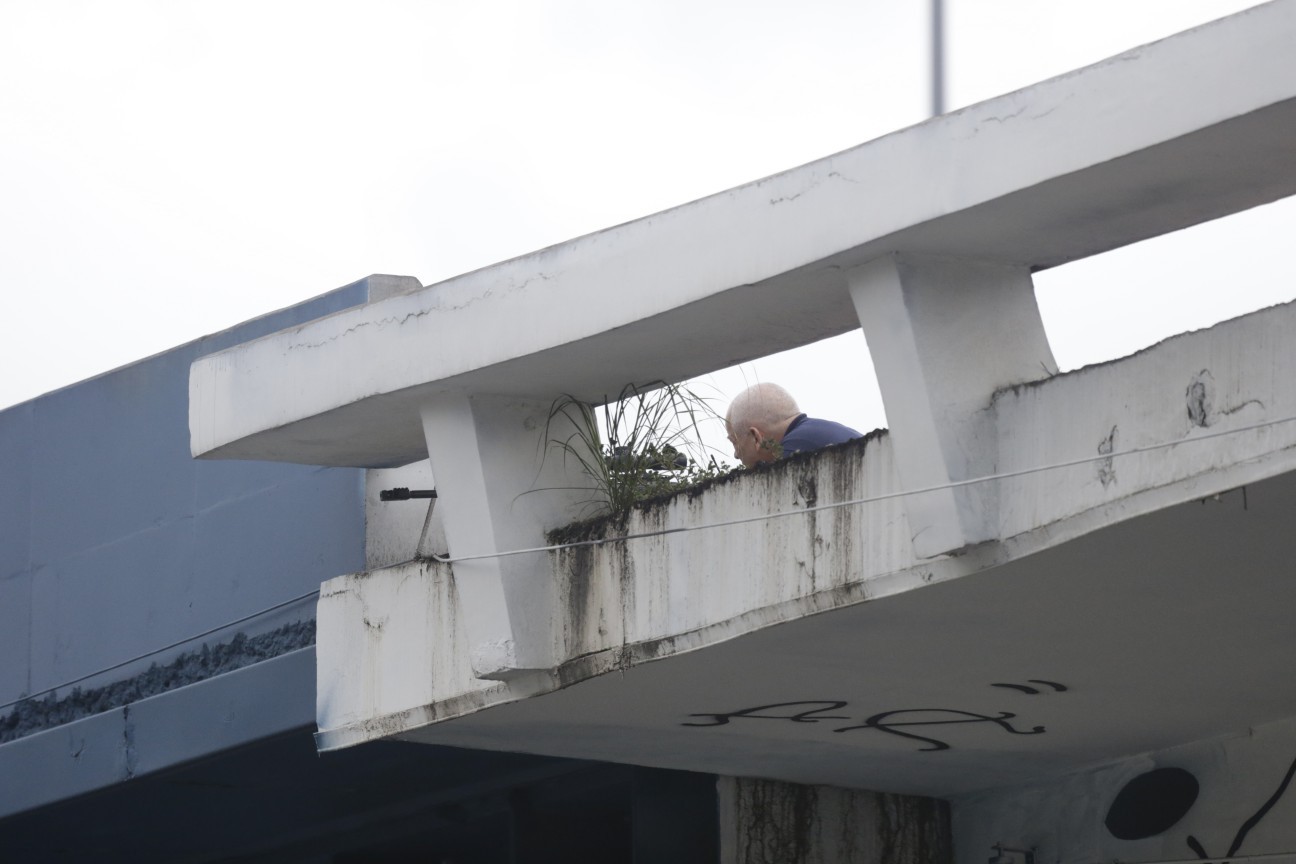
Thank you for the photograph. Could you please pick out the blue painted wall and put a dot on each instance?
(115, 542)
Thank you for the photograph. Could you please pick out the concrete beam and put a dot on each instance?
(502, 490)
(946, 334)
(1185, 130)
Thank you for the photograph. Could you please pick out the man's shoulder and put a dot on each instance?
(811, 433)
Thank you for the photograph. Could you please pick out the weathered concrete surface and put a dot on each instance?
(1181, 392)
(976, 201)
(768, 822)
(401, 659)
(394, 653)
(785, 642)
(1115, 153)
(503, 491)
(1154, 631)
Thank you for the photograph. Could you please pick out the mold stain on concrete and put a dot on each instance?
(1107, 467)
(1200, 397)
(788, 823)
(625, 590)
(808, 491)
(608, 527)
(595, 571)
(577, 568)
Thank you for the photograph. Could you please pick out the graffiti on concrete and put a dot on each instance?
(797, 713)
(898, 722)
(1250, 823)
(1155, 801)
(1033, 691)
(888, 721)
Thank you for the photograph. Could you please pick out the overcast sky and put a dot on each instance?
(171, 168)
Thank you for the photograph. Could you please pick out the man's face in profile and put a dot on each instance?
(746, 446)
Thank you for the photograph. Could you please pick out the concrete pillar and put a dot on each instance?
(945, 334)
(770, 822)
(499, 490)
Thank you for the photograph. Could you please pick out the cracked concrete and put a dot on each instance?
(1006, 117)
(379, 323)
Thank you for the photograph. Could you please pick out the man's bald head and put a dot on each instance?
(763, 406)
(756, 421)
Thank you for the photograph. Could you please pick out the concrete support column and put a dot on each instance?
(771, 822)
(945, 334)
(497, 491)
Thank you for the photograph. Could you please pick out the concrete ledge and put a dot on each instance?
(925, 644)
(1219, 397)
(394, 656)
(832, 606)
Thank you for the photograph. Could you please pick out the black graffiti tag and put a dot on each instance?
(1034, 691)
(1195, 845)
(811, 715)
(883, 723)
(891, 722)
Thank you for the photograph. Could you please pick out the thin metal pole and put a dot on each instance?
(938, 57)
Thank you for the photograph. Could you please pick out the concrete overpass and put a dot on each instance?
(1027, 576)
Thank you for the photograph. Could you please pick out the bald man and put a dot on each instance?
(764, 423)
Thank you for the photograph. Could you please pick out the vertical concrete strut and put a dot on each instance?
(945, 334)
(498, 492)
(775, 822)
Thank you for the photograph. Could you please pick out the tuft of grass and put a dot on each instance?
(648, 443)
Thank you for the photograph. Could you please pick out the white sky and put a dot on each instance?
(170, 168)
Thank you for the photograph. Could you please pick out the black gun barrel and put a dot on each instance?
(401, 493)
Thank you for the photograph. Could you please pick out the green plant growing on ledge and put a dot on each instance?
(653, 445)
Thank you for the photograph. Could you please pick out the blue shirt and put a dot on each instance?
(807, 433)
